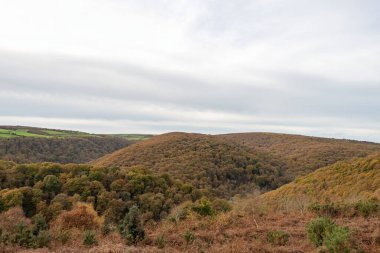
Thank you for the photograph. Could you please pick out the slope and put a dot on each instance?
(300, 155)
(205, 161)
(343, 181)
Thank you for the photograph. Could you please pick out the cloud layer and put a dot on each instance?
(307, 67)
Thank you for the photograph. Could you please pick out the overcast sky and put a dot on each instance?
(152, 66)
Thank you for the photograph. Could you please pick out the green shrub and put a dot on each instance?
(23, 236)
(160, 242)
(317, 230)
(89, 238)
(367, 207)
(323, 231)
(278, 237)
(131, 228)
(189, 237)
(39, 224)
(203, 207)
(338, 240)
(43, 239)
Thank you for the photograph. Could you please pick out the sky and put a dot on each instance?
(154, 66)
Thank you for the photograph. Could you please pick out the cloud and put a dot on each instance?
(204, 66)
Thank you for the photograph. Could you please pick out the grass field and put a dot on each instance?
(8, 132)
(134, 137)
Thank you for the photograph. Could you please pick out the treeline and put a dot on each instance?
(60, 150)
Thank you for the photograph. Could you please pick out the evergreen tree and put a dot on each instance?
(131, 228)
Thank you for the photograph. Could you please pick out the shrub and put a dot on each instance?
(189, 237)
(64, 236)
(203, 207)
(39, 224)
(160, 242)
(43, 239)
(318, 229)
(83, 217)
(221, 205)
(338, 240)
(179, 213)
(23, 236)
(367, 207)
(89, 238)
(278, 237)
(328, 209)
(131, 228)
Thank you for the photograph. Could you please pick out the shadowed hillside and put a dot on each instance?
(62, 150)
(302, 154)
(31, 144)
(205, 161)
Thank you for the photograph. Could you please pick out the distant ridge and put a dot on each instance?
(24, 144)
(303, 154)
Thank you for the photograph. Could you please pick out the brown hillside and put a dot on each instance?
(303, 154)
(205, 161)
(341, 182)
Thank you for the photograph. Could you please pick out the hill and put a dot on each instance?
(342, 182)
(30, 144)
(300, 155)
(205, 161)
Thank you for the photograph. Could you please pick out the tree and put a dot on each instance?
(51, 184)
(131, 228)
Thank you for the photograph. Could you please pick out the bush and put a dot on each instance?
(338, 240)
(367, 207)
(89, 238)
(328, 209)
(160, 242)
(83, 217)
(323, 231)
(43, 239)
(221, 205)
(39, 224)
(179, 213)
(203, 207)
(317, 230)
(131, 228)
(64, 236)
(189, 237)
(278, 237)
(23, 236)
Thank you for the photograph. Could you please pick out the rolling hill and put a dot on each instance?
(30, 144)
(301, 155)
(205, 161)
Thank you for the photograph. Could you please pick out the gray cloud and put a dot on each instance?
(283, 66)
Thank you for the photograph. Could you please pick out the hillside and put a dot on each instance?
(301, 155)
(342, 182)
(24, 144)
(205, 161)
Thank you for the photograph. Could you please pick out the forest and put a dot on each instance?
(181, 192)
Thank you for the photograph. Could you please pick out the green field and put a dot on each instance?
(7, 132)
(134, 137)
